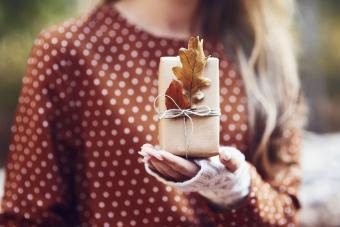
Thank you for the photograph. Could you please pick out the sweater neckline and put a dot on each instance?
(125, 21)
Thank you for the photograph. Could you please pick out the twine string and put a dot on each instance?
(201, 111)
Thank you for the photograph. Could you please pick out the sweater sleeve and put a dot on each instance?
(270, 202)
(38, 170)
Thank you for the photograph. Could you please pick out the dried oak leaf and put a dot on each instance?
(190, 74)
(175, 91)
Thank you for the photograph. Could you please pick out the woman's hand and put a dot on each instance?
(176, 168)
(169, 166)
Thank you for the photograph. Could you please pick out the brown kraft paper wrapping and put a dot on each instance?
(204, 140)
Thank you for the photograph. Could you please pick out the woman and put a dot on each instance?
(85, 110)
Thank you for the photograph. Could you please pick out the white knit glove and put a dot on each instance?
(214, 181)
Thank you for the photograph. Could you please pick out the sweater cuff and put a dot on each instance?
(229, 189)
(214, 182)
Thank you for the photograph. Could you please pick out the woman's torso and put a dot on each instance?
(111, 71)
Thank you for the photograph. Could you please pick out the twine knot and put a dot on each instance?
(200, 111)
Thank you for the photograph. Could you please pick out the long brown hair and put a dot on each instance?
(258, 36)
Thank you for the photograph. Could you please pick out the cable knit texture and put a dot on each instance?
(214, 181)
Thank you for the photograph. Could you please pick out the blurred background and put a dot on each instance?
(319, 27)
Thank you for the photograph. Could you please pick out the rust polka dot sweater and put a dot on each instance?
(84, 111)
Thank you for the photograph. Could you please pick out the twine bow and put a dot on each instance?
(201, 111)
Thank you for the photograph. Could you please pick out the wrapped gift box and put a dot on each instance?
(204, 140)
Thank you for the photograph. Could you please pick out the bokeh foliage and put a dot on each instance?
(330, 52)
(329, 56)
(20, 21)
